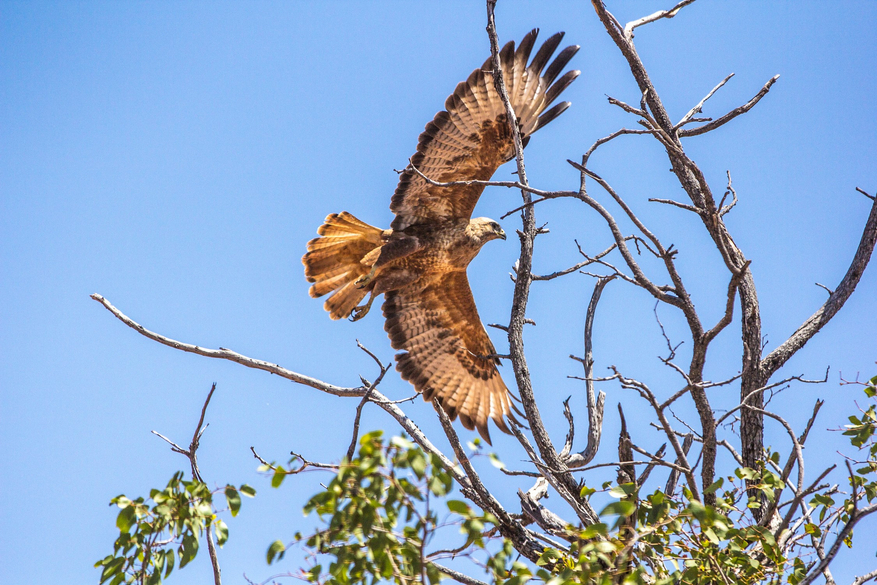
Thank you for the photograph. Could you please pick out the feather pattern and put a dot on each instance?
(447, 353)
(472, 137)
(420, 263)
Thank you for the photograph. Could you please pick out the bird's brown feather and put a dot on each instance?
(448, 354)
(418, 264)
(472, 137)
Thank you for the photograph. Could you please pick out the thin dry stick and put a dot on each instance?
(389, 406)
(192, 454)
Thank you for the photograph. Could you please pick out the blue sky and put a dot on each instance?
(176, 158)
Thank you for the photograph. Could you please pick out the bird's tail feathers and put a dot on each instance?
(334, 261)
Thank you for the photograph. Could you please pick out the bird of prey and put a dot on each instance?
(419, 263)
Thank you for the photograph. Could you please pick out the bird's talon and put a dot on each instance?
(359, 312)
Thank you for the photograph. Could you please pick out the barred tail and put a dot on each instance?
(334, 261)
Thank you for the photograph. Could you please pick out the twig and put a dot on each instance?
(865, 578)
(191, 454)
(674, 474)
(684, 206)
(871, 197)
(456, 575)
(389, 406)
(508, 184)
(732, 114)
(366, 397)
(835, 301)
(723, 209)
(630, 26)
(697, 109)
(304, 463)
(595, 403)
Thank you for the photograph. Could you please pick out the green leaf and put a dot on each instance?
(459, 507)
(126, 519)
(623, 490)
(494, 459)
(746, 473)
(548, 557)
(170, 559)
(247, 490)
(276, 548)
(598, 529)
(714, 486)
(221, 532)
(417, 462)
(234, 499)
(188, 549)
(279, 476)
(401, 443)
(620, 508)
(586, 491)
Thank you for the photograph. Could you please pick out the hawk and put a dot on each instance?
(419, 263)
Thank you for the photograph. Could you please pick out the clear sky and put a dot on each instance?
(176, 158)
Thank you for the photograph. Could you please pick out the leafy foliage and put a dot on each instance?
(152, 537)
(380, 514)
(379, 517)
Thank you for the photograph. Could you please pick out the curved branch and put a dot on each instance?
(376, 397)
(732, 114)
(835, 301)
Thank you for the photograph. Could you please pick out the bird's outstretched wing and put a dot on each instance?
(472, 137)
(448, 354)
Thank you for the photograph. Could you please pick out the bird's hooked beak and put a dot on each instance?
(501, 233)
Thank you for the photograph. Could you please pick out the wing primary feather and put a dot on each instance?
(507, 54)
(544, 53)
(559, 63)
(551, 114)
(526, 46)
(562, 83)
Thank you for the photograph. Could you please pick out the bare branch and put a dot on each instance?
(630, 26)
(855, 516)
(865, 578)
(698, 108)
(520, 298)
(871, 197)
(730, 115)
(723, 209)
(620, 132)
(835, 301)
(674, 474)
(508, 184)
(456, 575)
(595, 406)
(799, 497)
(684, 206)
(192, 455)
(729, 304)
(560, 479)
(304, 464)
(389, 406)
(681, 455)
(230, 355)
(589, 260)
(523, 539)
(657, 459)
(366, 397)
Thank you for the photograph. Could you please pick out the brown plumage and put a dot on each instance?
(420, 262)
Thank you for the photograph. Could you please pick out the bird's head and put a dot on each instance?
(485, 229)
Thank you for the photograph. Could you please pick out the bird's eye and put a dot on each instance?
(494, 225)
